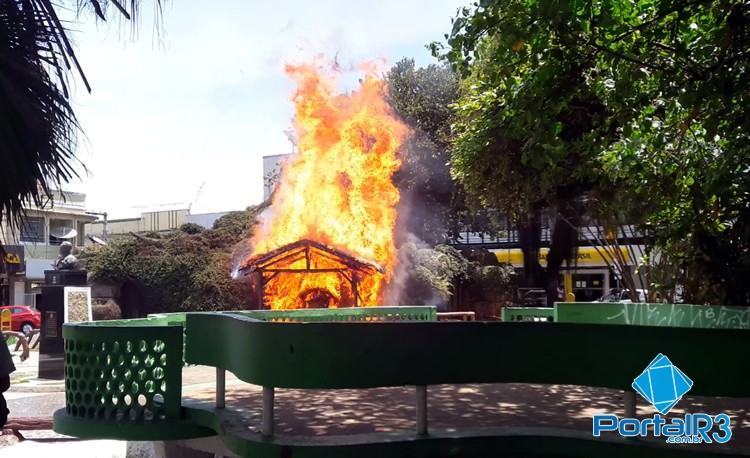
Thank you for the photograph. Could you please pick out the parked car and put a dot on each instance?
(623, 296)
(23, 318)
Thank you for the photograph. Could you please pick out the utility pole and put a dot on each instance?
(104, 222)
(197, 194)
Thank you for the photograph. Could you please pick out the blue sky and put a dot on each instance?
(202, 104)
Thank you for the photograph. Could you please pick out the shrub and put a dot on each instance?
(106, 311)
(191, 228)
(186, 270)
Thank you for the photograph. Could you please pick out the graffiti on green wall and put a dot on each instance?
(676, 315)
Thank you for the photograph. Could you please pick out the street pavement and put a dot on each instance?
(24, 401)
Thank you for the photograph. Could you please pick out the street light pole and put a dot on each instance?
(104, 222)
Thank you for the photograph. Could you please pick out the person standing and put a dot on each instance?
(6, 368)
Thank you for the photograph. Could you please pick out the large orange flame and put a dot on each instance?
(337, 189)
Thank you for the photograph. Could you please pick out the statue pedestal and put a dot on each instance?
(52, 308)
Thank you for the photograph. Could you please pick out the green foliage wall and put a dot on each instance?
(187, 270)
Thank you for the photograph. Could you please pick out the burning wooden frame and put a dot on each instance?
(308, 274)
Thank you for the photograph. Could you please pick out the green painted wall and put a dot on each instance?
(110, 365)
(364, 355)
(674, 315)
(380, 313)
(528, 314)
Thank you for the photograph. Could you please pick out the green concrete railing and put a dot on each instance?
(106, 360)
(323, 355)
(124, 376)
(641, 314)
(544, 314)
(382, 313)
(675, 315)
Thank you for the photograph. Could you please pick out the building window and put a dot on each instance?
(32, 229)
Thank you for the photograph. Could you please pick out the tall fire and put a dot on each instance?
(328, 241)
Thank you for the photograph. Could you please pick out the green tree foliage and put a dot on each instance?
(191, 228)
(421, 97)
(435, 273)
(487, 282)
(527, 131)
(492, 283)
(184, 271)
(633, 110)
(436, 269)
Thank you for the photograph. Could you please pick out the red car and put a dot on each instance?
(23, 318)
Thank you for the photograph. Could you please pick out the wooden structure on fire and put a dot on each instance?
(308, 257)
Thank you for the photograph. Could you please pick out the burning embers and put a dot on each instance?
(335, 203)
(309, 274)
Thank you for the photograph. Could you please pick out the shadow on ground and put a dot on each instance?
(338, 412)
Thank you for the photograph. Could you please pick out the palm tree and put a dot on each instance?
(38, 128)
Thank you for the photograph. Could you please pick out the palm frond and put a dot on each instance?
(38, 128)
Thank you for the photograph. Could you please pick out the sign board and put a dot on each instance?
(12, 261)
(5, 320)
(50, 324)
(585, 256)
(77, 304)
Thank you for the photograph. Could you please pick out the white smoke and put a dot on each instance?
(244, 248)
(411, 258)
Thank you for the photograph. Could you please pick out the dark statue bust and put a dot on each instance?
(66, 260)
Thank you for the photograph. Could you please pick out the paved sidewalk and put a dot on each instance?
(25, 370)
(332, 412)
(29, 397)
(93, 449)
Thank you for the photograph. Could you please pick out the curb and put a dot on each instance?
(39, 386)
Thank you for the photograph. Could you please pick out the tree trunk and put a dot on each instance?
(530, 239)
(562, 247)
(131, 299)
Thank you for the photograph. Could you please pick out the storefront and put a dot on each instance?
(590, 274)
(12, 269)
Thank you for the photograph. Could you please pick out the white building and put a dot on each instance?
(205, 220)
(272, 166)
(34, 246)
(155, 221)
